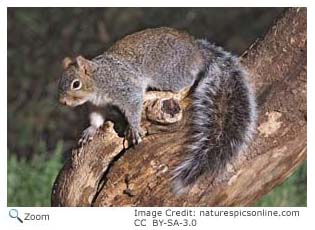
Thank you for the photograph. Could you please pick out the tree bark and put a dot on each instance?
(104, 173)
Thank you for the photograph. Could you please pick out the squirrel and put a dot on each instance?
(224, 112)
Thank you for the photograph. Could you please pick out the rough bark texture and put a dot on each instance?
(103, 173)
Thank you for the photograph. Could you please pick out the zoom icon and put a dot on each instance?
(13, 213)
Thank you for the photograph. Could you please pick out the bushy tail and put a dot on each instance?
(223, 119)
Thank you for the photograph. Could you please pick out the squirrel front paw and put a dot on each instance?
(133, 136)
(88, 135)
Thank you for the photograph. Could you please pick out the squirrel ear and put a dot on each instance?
(66, 62)
(85, 65)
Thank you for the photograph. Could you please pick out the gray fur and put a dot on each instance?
(223, 111)
(223, 119)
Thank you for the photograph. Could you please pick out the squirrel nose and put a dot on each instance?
(63, 100)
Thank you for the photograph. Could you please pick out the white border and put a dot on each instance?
(156, 3)
(3, 101)
(122, 218)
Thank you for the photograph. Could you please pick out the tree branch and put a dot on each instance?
(103, 173)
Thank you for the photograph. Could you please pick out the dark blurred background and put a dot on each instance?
(40, 131)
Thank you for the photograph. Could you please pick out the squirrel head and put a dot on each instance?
(76, 85)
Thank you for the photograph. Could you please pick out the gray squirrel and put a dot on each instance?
(223, 105)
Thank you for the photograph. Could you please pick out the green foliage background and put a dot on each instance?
(30, 181)
(40, 132)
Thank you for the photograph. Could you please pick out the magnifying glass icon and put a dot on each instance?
(13, 213)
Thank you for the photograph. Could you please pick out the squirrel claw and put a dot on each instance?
(133, 136)
(88, 135)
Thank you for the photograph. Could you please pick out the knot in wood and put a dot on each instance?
(164, 110)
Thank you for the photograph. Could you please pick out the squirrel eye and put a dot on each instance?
(76, 84)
